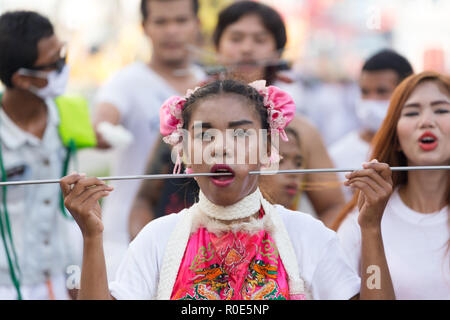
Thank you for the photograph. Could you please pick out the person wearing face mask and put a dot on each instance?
(380, 75)
(39, 130)
(130, 100)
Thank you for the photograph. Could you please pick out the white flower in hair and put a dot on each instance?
(190, 92)
(280, 107)
(259, 85)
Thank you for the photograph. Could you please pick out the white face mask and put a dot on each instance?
(371, 113)
(56, 82)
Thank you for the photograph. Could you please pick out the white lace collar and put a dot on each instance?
(245, 208)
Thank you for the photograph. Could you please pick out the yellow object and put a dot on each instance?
(75, 123)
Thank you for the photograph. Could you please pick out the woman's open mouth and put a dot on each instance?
(226, 179)
(428, 141)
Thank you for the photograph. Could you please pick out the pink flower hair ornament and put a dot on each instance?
(280, 110)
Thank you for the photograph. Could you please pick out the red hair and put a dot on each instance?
(385, 144)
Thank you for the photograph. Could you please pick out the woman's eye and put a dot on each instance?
(240, 133)
(205, 135)
(411, 114)
(182, 20)
(442, 111)
(236, 39)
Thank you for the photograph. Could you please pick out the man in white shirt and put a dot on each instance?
(380, 76)
(36, 246)
(133, 97)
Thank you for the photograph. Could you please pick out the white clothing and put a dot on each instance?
(349, 152)
(296, 91)
(416, 248)
(321, 262)
(331, 107)
(38, 291)
(138, 93)
(45, 241)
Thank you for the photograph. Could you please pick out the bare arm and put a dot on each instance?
(105, 112)
(144, 206)
(325, 196)
(375, 185)
(81, 196)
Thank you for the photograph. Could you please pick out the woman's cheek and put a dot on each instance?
(404, 133)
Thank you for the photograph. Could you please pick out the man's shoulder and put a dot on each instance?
(132, 71)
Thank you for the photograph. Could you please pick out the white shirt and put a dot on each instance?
(416, 247)
(331, 107)
(349, 152)
(138, 93)
(41, 234)
(321, 261)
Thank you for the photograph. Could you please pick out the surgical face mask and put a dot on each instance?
(56, 82)
(371, 113)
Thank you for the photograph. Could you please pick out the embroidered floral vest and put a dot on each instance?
(232, 266)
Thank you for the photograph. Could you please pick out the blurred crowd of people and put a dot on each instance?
(42, 127)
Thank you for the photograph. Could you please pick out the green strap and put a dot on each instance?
(71, 152)
(4, 221)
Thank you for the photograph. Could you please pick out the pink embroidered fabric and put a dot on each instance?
(234, 266)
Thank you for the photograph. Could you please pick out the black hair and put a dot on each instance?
(389, 60)
(270, 19)
(145, 13)
(227, 86)
(20, 32)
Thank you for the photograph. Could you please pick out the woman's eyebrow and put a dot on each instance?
(200, 125)
(439, 102)
(412, 105)
(417, 105)
(233, 124)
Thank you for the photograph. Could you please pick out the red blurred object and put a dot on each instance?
(434, 60)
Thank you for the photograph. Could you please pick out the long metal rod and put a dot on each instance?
(329, 170)
(209, 174)
(136, 177)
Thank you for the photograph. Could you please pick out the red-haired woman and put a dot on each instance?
(415, 225)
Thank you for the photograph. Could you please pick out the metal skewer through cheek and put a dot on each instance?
(210, 174)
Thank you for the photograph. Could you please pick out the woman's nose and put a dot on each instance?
(426, 119)
(219, 148)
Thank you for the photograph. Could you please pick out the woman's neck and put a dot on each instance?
(241, 211)
(426, 191)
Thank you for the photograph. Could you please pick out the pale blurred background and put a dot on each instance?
(328, 39)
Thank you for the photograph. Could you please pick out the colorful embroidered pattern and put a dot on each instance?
(234, 266)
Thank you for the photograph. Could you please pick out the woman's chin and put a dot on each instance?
(429, 160)
(221, 198)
